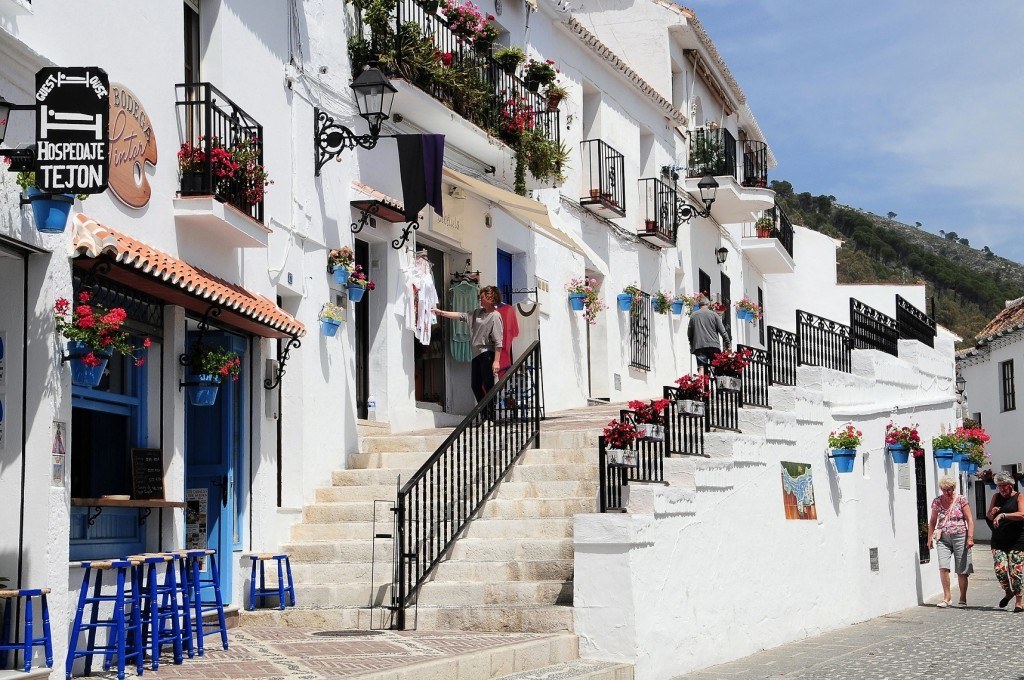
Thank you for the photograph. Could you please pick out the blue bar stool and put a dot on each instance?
(119, 625)
(184, 584)
(284, 566)
(160, 613)
(201, 606)
(9, 641)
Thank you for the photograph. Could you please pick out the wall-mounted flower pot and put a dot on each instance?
(944, 458)
(192, 183)
(677, 307)
(329, 327)
(553, 101)
(205, 392)
(843, 458)
(623, 457)
(729, 383)
(356, 292)
(577, 301)
(50, 211)
(341, 275)
(652, 431)
(691, 408)
(899, 452)
(624, 301)
(83, 374)
(430, 6)
(531, 84)
(967, 465)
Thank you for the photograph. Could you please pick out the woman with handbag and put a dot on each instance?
(951, 530)
(1007, 518)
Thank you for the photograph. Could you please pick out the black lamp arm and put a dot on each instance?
(331, 138)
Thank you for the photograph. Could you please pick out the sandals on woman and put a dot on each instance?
(1005, 601)
(943, 604)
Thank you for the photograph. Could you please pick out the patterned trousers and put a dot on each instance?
(1009, 566)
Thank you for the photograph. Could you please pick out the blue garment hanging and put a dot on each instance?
(464, 298)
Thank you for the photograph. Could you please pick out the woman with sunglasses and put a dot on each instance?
(1007, 520)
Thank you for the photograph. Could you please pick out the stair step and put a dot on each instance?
(501, 506)
(472, 593)
(400, 442)
(514, 527)
(373, 476)
(415, 459)
(554, 472)
(353, 594)
(369, 492)
(513, 490)
(487, 549)
(577, 669)
(524, 570)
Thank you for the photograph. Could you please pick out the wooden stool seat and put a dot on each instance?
(8, 633)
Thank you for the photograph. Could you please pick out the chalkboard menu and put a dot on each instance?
(147, 474)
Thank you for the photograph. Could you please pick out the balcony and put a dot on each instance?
(659, 212)
(717, 152)
(604, 174)
(755, 163)
(772, 254)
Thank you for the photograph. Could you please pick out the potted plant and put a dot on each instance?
(555, 94)
(331, 316)
(901, 441)
(692, 390)
(728, 367)
(577, 288)
(747, 310)
(49, 211)
(192, 164)
(93, 334)
(626, 297)
(208, 365)
(844, 443)
(943, 445)
(678, 303)
(358, 284)
(251, 178)
(764, 226)
(464, 19)
(987, 477)
(486, 36)
(689, 302)
(618, 439)
(650, 418)
(661, 301)
(592, 303)
(973, 448)
(718, 307)
(430, 6)
(509, 59)
(539, 73)
(339, 264)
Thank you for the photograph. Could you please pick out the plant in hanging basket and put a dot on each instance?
(509, 59)
(749, 307)
(904, 435)
(331, 317)
(214, 360)
(95, 330)
(661, 301)
(591, 290)
(731, 363)
(848, 437)
(718, 307)
(694, 386)
(464, 19)
(539, 74)
(947, 441)
(340, 257)
(487, 35)
(358, 278)
(555, 94)
(620, 435)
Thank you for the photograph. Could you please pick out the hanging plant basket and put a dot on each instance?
(899, 452)
(341, 275)
(83, 374)
(329, 327)
(625, 302)
(531, 84)
(356, 292)
(967, 465)
(577, 301)
(202, 389)
(50, 211)
(843, 459)
(690, 408)
(677, 307)
(944, 458)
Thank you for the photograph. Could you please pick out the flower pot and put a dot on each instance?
(483, 46)
(356, 292)
(623, 457)
(958, 455)
(83, 374)
(843, 459)
(690, 408)
(742, 314)
(50, 211)
(967, 465)
(991, 485)
(729, 383)
(340, 275)
(899, 452)
(553, 101)
(577, 301)
(509, 66)
(205, 393)
(430, 6)
(595, 194)
(329, 327)
(677, 307)
(764, 232)
(944, 458)
(625, 301)
(651, 431)
(650, 226)
(531, 84)
(192, 183)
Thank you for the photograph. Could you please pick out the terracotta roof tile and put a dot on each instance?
(379, 196)
(92, 239)
(1011, 318)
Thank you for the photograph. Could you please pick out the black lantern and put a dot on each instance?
(721, 254)
(708, 186)
(961, 384)
(374, 95)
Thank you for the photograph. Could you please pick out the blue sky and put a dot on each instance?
(911, 107)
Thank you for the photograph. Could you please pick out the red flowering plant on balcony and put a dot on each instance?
(541, 72)
(906, 435)
(214, 360)
(98, 328)
(694, 386)
(974, 440)
(731, 363)
(516, 117)
(192, 158)
(464, 19)
(620, 435)
(251, 173)
(649, 412)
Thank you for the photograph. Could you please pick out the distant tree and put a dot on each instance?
(942, 233)
(917, 224)
(965, 242)
(891, 215)
(782, 188)
(986, 249)
(951, 236)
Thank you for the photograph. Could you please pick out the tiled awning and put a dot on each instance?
(177, 282)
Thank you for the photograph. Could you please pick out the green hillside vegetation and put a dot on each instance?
(968, 286)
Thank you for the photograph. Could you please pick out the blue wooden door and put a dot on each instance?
(505, 275)
(214, 443)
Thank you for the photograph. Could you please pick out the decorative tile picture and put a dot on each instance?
(798, 491)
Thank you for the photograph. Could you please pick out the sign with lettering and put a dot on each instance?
(72, 123)
(147, 474)
(132, 146)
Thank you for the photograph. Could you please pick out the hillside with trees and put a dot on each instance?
(967, 285)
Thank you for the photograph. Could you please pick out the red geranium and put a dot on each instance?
(649, 412)
(731, 363)
(620, 435)
(95, 326)
(694, 386)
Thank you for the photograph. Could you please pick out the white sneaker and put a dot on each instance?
(943, 604)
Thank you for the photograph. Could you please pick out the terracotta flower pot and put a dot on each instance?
(553, 101)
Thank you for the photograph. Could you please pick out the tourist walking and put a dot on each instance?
(1008, 540)
(485, 338)
(951, 530)
(703, 332)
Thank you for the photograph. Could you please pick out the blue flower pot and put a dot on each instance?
(958, 455)
(204, 394)
(356, 292)
(340, 275)
(50, 211)
(576, 301)
(968, 466)
(82, 374)
(943, 458)
(844, 458)
(677, 308)
(899, 452)
(329, 327)
(991, 485)
(625, 302)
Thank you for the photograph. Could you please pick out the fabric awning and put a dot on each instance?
(531, 214)
(176, 281)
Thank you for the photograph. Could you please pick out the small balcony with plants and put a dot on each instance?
(660, 222)
(444, 57)
(755, 163)
(716, 152)
(604, 176)
(768, 242)
(223, 180)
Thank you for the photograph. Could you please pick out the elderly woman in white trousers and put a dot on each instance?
(951, 530)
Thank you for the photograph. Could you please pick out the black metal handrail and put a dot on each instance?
(434, 506)
(913, 323)
(822, 342)
(783, 352)
(723, 408)
(712, 151)
(612, 476)
(683, 434)
(604, 176)
(783, 229)
(659, 210)
(640, 332)
(755, 163)
(871, 329)
(209, 120)
(756, 376)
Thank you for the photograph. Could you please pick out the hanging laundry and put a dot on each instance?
(420, 160)
(510, 331)
(464, 297)
(420, 298)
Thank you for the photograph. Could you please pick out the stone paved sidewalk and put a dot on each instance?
(980, 641)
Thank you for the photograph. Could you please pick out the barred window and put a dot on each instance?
(1009, 395)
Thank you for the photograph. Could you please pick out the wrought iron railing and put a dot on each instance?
(755, 163)
(756, 376)
(871, 329)
(783, 229)
(784, 353)
(723, 409)
(640, 332)
(209, 120)
(822, 342)
(921, 487)
(439, 499)
(659, 211)
(684, 434)
(712, 151)
(604, 176)
(913, 323)
(612, 477)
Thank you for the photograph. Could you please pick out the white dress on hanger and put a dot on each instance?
(420, 299)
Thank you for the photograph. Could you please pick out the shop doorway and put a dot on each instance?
(214, 468)
(428, 360)
(362, 321)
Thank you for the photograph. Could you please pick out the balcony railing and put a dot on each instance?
(913, 323)
(210, 121)
(604, 175)
(659, 212)
(781, 230)
(712, 151)
(755, 163)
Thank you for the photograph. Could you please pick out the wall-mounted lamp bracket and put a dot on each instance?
(271, 383)
(406, 233)
(330, 139)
